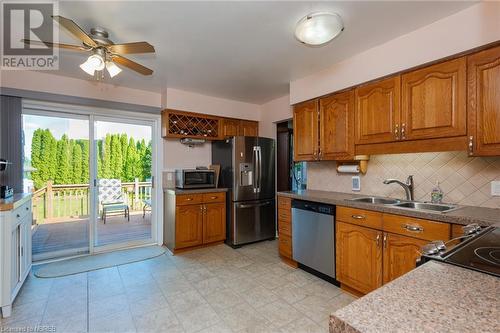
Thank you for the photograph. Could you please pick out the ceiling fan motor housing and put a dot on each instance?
(100, 36)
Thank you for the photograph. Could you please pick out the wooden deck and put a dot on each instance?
(62, 234)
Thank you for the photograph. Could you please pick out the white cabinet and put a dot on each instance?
(15, 255)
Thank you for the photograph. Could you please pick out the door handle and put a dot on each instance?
(254, 205)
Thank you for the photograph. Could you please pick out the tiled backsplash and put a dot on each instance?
(464, 180)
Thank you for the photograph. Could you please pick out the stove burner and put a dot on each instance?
(489, 254)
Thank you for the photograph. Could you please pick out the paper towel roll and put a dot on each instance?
(348, 168)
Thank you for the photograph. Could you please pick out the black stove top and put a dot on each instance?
(481, 253)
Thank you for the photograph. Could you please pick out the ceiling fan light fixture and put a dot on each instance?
(113, 70)
(94, 63)
(317, 29)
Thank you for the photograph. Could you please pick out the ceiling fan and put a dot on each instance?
(103, 52)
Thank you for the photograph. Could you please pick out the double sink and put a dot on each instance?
(411, 205)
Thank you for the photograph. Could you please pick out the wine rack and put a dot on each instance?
(180, 124)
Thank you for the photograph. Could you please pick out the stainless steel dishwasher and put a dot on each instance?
(313, 235)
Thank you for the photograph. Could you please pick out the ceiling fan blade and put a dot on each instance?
(59, 45)
(131, 65)
(75, 30)
(129, 48)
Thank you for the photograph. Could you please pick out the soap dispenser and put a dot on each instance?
(437, 194)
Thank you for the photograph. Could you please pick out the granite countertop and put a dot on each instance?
(194, 191)
(461, 215)
(435, 297)
(13, 202)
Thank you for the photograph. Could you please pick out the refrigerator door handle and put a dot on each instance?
(256, 172)
(254, 205)
(260, 169)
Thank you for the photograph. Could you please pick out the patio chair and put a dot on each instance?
(112, 199)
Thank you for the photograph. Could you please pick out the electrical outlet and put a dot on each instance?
(356, 183)
(495, 188)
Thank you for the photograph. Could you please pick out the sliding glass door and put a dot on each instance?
(123, 160)
(92, 180)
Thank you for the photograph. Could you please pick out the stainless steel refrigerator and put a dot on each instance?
(247, 170)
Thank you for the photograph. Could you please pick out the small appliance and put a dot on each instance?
(479, 250)
(195, 178)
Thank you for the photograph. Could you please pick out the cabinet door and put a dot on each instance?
(248, 128)
(484, 102)
(434, 101)
(230, 127)
(16, 261)
(378, 111)
(305, 131)
(336, 126)
(214, 223)
(359, 257)
(26, 244)
(400, 255)
(188, 226)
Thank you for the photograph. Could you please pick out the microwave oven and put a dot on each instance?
(194, 178)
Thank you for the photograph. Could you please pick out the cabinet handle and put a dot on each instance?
(22, 251)
(320, 155)
(358, 217)
(189, 199)
(385, 241)
(413, 228)
(18, 216)
(27, 208)
(201, 208)
(378, 240)
(403, 131)
(471, 145)
(396, 132)
(213, 198)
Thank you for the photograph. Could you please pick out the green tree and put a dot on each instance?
(116, 157)
(106, 157)
(84, 144)
(63, 161)
(36, 150)
(77, 164)
(124, 144)
(133, 163)
(146, 162)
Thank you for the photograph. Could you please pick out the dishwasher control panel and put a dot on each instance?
(314, 207)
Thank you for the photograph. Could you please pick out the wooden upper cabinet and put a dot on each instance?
(358, 257)
(400, 255)
(336, 126)
(484, 102)
(305, 131)
(248, 128)
(378, 111)
(434, 101)
(230, 127)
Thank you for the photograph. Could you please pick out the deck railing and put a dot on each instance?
(72, 200)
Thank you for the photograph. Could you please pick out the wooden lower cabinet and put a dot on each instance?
(188, 226)
(285, 246)
(358, 257)
(382, 249)
(400, 255)
(194, 220)
(214, 223)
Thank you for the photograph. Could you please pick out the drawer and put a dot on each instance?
(188, 199)
(285, 246)
(214, 197)
(285, 228)
(284, 203)
(417, 228)
(365, 218)
(284, 214)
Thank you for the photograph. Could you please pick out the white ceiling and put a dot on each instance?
(239, 50)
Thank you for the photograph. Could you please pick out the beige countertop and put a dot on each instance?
(435, 297)
(13, 202)
(194, 191)
(462, 215)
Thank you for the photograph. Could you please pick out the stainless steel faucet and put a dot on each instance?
(408, 186)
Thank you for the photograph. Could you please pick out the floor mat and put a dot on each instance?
(98, 261)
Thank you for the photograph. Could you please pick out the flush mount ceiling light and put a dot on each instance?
(317, 29)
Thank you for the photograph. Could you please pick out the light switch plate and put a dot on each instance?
(356, 183)
(495, 188)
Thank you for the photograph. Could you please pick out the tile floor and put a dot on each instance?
(215, 289)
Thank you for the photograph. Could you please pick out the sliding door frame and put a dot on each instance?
(93, 114)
